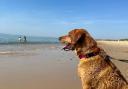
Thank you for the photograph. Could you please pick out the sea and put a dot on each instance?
(10, 44)
(14, 39)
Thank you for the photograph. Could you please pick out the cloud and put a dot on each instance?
(109, 21)
(76, 22)
(68, 23)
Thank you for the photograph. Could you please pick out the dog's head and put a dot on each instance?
(77, 39)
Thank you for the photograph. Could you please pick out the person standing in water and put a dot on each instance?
(25, 39)
(19, 39)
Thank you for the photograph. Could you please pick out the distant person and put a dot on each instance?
(25, 39)
(19, 39)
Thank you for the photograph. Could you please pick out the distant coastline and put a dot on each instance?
(14, 39)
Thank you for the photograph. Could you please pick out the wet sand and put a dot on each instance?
(46, 66)
(37, 67)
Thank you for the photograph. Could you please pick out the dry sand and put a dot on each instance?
(47, 66)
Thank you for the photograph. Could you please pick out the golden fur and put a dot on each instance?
(96, 72)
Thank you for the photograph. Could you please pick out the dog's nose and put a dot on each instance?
(60, 38)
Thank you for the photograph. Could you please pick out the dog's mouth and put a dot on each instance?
(68, 47)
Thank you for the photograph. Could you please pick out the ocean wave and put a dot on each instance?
(7, 52)
(16, 53)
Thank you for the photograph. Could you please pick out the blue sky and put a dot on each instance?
(102, 18)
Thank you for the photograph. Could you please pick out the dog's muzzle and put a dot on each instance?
(68, 47)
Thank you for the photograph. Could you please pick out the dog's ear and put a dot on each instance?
(89, 41)
(82, 37)
(76, 36)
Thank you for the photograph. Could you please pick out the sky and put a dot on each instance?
(104, 19)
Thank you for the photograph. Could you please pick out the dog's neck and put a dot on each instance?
(87, 54)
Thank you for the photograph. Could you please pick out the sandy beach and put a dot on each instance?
(46, 66)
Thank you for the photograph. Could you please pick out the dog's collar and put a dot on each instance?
(88, 55)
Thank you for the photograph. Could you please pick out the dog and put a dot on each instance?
(95, 68)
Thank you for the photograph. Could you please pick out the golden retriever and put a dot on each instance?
(95, 69)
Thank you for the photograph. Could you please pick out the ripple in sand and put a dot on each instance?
(127, 73)
(125, 51)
